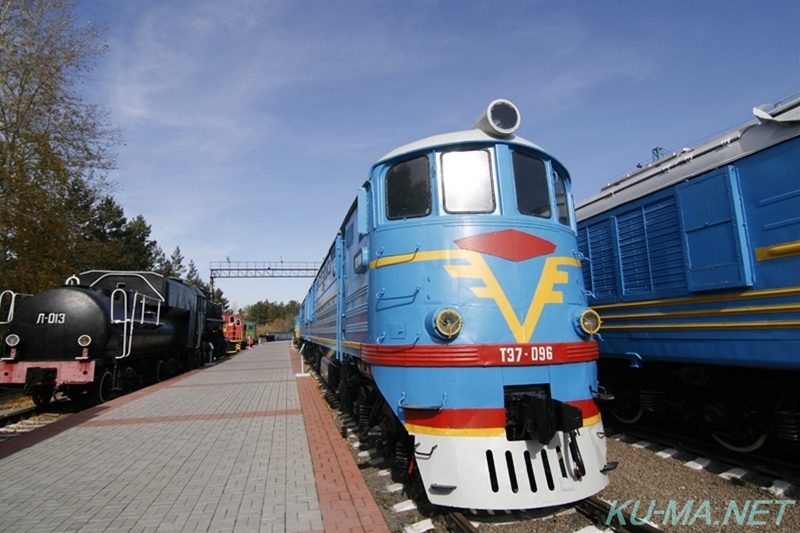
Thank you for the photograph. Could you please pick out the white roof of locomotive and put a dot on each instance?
(457, 137)
(773, 125)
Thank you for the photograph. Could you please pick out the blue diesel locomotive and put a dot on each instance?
(693, 265)
(450, 316)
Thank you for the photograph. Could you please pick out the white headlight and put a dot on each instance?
(12, 340)
(84, 340)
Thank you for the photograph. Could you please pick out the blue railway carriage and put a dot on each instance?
(450, 316)
(692, 264)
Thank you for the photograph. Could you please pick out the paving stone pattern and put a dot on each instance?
(220, 449)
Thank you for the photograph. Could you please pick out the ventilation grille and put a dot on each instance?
(541, 470)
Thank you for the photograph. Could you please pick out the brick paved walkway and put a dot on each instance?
(243, 446)
(347, 504)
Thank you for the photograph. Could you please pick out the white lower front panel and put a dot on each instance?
(472, 472)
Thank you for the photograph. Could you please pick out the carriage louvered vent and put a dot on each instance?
(533, 464)
(650, 248)
(644, 242)
(602, 260)
(633, 252)
(664, 245)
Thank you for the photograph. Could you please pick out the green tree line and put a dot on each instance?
(272, 316)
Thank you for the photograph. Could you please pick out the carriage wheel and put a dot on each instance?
(732, 424)
(742, 445)
(625, 406)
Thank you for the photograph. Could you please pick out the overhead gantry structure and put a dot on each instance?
(263, 269)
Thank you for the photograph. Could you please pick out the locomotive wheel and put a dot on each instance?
(403, 458)
(161, 371)
(128, 380)
(42, 394)
(104, 385)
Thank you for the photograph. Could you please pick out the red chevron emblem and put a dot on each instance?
(508, 244)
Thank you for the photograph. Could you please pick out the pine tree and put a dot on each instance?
(176, 263)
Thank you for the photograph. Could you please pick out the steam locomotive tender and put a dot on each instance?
(105, 331)
(693, 265)
(449, 315)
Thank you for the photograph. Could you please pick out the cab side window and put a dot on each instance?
(530, 182)
(561, 198)
(408, 189)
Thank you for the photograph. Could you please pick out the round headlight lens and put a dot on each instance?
(448, 323)
(12, 339)
(504, 116)
(84, 340)
(590, 322)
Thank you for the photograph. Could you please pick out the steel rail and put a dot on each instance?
(600, 513)
(457, 523)
(15, 415)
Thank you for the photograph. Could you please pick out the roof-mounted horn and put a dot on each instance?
(501, 119)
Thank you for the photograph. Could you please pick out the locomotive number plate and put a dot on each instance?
(518, 354)
(51, 318)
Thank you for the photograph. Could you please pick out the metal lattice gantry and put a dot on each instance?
(264, 269)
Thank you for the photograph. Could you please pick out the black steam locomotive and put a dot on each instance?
(105, 332)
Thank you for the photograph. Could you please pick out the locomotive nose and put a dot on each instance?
(61, 323)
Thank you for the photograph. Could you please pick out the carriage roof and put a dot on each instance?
(774, 123)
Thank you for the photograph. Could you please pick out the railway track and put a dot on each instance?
(775, 465)
(458, 523)
(12, 416)
(19, 421)
(602, 514)
(17, 418)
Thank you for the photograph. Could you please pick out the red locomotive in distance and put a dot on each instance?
(233, 331)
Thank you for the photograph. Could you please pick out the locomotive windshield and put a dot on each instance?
(468, 185)
(467, 182)
(408, 189)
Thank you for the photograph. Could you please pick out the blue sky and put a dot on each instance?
(249, 125)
